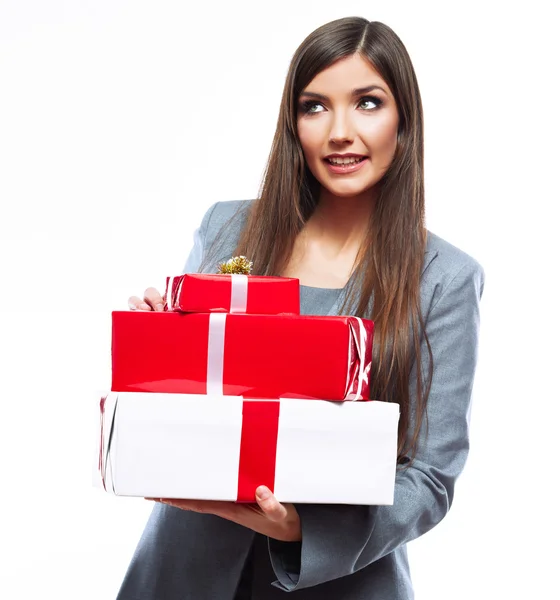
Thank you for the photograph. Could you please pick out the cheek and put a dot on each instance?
(310, 140)
(388, 136)
(384, 137)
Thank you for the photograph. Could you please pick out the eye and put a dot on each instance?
(370, 102)
(311, 107)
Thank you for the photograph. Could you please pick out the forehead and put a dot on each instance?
(344, 75)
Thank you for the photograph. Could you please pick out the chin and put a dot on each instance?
(348, 191)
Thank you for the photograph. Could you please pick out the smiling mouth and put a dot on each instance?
(340, 162)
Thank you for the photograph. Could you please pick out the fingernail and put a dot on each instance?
(159, 306)
(144, 306)
(263, 493)
(131, 306)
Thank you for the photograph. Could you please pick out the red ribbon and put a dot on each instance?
(257, 458)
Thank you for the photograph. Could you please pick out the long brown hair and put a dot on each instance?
(390, 262)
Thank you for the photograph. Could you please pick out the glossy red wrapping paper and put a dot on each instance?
(264, 356)
(198, 292)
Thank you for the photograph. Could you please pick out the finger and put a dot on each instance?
(135, 303)
(182, 504)
(214, 507)
(272, 509)
(153, 298)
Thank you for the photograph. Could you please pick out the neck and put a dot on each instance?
(343, 221)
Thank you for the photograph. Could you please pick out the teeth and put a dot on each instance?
(344, 161)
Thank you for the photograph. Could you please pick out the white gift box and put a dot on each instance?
(222, 447)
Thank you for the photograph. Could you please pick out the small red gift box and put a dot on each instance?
(256, 356)
(253, 294)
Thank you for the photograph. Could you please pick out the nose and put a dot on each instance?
(341, 131)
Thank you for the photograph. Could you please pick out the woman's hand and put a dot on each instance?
(267, 516)
(152, 301)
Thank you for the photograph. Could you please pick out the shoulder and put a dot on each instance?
(446, 264)
(219, 231)
(222, 212)
(232, 213)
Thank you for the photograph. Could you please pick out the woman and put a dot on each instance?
(342, 209)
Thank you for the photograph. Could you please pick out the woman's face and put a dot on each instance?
(347, 126)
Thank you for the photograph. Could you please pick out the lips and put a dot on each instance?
(342, 168)
(342, 159)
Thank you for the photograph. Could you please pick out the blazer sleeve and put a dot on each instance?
(196, 255)
(338, 540)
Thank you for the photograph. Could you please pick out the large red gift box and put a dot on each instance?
(255, 356)
(253, 294)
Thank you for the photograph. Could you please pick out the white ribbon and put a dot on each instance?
(216, 347)
(239, 290)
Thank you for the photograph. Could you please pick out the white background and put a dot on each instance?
(122, 121)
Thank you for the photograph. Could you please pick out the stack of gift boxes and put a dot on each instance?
(230, 388)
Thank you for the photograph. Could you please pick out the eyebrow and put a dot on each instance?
(355, 92)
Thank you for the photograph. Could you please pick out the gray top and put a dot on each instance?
(318, 301)
(347, 552)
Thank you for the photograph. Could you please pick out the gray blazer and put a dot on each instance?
(347, 552)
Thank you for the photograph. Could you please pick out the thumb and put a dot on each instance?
(271, 508)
